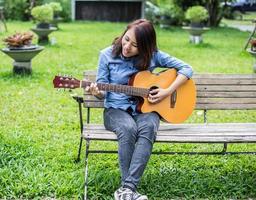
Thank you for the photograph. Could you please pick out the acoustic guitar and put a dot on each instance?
(175, 108)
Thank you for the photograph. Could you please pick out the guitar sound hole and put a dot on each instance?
(152, 88)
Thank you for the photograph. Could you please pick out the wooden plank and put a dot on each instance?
(227, 88)
(168, 126)
(224, 76)
(206, 94)
(220, 132)
(94, 104)
(225, 81)
(226, 100)
(200, 106)
(182, 139)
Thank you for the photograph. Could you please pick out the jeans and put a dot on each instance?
(136, 135)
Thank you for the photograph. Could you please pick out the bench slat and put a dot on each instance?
(226, 81)
(227, 88)
(207, 94)
(197, 133)
(224, 76)
(225, 106)
(226, 100)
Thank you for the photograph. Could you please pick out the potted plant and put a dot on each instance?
(57, 8)
(196, 15)
(43, 15)
(20, 48)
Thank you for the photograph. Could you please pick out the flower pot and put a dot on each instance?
(22, 57)
(196, 25)
(43, 26)
(43, 34)
(195, 33)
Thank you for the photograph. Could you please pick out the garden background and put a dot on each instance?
(39, 132)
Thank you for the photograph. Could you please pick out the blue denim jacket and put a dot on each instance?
(118, 70)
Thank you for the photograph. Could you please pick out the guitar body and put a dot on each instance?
(173, 109)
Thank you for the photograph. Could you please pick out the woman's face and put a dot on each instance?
(129, 44)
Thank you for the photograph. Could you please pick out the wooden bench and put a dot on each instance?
(214, 92)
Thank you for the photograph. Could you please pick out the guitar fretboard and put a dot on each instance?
(129, 90)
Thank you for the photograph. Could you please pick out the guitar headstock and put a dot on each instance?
(66, 82)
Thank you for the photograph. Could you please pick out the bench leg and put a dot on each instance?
(224, 150)
(86, 169)
(79, 100)
(79, 150)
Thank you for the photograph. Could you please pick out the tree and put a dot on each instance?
(213, 7)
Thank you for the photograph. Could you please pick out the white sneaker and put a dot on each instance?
(138, 196)
(123, 194)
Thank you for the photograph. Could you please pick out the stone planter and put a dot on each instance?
(22, 58)
(195, 33)
(43, 34)
(253, 53)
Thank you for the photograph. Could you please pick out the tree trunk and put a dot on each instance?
(215, 13)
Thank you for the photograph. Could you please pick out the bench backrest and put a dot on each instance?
(214, 91)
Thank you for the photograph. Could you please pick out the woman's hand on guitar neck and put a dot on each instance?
(94, 90)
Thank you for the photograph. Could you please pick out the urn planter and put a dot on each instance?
(22, 57)
(43, 34)
(195, 33)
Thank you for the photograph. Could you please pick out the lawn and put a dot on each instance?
(39, 132)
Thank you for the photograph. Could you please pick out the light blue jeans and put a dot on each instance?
(136, 135)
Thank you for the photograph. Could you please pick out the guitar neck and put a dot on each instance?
(129, 90)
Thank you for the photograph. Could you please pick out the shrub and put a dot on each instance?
(56, 7)
(16, 9)
(196, 14)
(42, 14)
(171, 14)
(66, 9)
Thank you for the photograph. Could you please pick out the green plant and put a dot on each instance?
(56, 7)
(196, 14)
(19, 39)
(43, 13)
(65, 14)
(171, 14)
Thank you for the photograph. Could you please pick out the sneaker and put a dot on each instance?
(123, 194)
(138, 196)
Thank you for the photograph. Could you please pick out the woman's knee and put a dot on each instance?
(127, 132)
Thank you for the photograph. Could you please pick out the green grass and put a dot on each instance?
(39, 132)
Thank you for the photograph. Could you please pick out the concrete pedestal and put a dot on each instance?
(43, 34)
(22, 58)
(195, 33)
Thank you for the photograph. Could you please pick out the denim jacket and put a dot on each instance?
(118, 70)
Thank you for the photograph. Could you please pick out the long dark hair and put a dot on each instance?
(146, 41)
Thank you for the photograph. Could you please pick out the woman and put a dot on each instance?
(133, 51)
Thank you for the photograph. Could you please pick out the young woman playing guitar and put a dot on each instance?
(134, 51)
